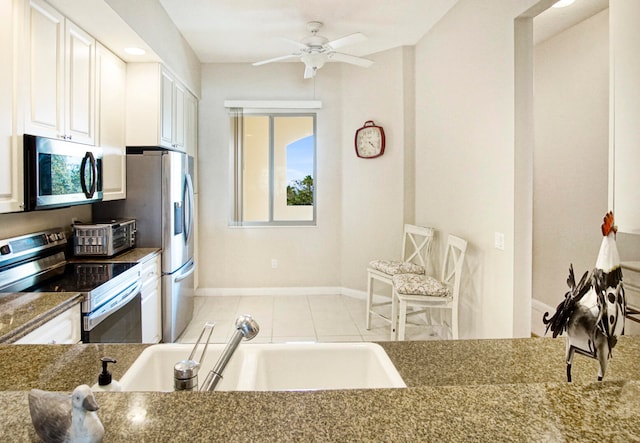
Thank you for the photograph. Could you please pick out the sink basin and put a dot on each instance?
(272, 367)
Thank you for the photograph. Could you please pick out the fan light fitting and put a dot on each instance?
(315, 50)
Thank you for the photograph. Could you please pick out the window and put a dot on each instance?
(274, 162)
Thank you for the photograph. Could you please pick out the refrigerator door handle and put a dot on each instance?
(189, 213)
(190, 267)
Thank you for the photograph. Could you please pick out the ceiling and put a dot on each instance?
(555, 20)
(245, 31)
(253, 30)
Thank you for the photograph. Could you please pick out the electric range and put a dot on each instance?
(111, 291)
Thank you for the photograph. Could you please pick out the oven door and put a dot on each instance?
(117, 321)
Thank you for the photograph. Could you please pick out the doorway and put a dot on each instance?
(569, 126)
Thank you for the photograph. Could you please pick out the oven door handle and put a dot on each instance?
(94, 318)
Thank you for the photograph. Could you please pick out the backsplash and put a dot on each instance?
(19, 223)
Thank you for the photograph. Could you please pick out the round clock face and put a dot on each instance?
(370, 142)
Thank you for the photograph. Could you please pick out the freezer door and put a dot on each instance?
(177, 302)
(177, 212)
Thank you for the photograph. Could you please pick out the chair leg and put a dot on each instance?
(369, 300)
(394, 316)
(403, 319)
(454, 322)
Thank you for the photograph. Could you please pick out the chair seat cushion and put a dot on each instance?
(393, 267)
(412, 284)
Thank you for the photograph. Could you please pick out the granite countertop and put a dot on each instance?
(135, 255)
(466, 390)
(23, 312)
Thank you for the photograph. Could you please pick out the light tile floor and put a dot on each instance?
(317, 318)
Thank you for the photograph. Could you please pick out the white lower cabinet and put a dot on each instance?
(63, 329)
(151, 301)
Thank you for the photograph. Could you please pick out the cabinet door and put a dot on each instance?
(151, 315)
(63, 329)
(45, 71)
(151, 307)
(111, 75)
(180, 117)
(79, 85)
(10, 162)
(166, 109)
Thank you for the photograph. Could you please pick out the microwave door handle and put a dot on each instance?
(94, 174)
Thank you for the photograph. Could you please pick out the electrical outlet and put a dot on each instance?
(274, 263)
(498, 240)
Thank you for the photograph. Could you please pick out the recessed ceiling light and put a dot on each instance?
(134, 51)
(563, 3)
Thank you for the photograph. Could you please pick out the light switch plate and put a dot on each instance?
(498, 240)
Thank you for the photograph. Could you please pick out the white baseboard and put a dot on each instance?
(538, 309)
(316, 290)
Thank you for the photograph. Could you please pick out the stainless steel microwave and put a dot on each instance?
(60, 173)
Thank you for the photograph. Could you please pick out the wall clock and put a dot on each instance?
(369, 140)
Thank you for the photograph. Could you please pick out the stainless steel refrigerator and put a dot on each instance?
(160, 198)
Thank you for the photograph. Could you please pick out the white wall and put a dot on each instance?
(465, 173)
(359, 202)
(373, 194)
(571, 112)
(232, 257)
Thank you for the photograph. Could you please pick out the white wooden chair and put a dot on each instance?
(428, 293)
(416, 248)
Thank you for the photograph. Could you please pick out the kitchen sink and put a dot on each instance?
(271, 367)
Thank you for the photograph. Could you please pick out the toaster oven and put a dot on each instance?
(104, 238)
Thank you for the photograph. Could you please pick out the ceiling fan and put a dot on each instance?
(315, 50)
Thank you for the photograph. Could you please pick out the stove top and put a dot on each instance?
(80, 277)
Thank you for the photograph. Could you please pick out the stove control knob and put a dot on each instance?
(5, 249)
(53, 237)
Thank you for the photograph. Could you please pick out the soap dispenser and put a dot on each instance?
(105, 383)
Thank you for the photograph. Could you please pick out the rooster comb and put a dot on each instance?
(607, 224)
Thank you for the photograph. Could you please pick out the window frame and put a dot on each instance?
(237, 158)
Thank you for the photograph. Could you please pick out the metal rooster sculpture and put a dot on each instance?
(593, 311)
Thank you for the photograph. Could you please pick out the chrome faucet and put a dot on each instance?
(185, 372)
(246, 327)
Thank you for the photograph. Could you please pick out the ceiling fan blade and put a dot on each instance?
(276, 59)
(309, 72)
(347, 40)
(340, 57)
(294, 42)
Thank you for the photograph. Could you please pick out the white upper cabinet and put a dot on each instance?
(179, 116)
(157, 110)
(111, 77)
(625, 114)
(60, 76)
(79, 84)
(167, 85)
(10, 159)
